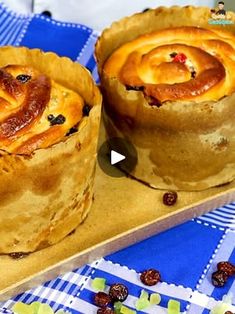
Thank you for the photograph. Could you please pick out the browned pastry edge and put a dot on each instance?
(36, 98)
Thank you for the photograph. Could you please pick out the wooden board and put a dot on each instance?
(124, 211)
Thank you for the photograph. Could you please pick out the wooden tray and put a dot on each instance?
(124, 212)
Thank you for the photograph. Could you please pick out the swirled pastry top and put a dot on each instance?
(183, 63)
(35, 111)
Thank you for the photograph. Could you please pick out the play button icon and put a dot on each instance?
(117, 157)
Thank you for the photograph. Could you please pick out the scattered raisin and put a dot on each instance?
(86, 109)
(18, 255)
(135, 88)
(150, 277)
(23, 78)
(90, 70)
(170, 198)
(72, 131)
(60, 119)
(102, 299)
(193, 74)
(72, 232)
(118, 292)
(106, 310)
(226, 267)
(222, 184)
(153, 101)
(47, 13)
(228, 312)
(50, 117)
(173, 54)
(145, 10)
(219, 278)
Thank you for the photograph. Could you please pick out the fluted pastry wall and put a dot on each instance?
(46, 169)
(168, 80)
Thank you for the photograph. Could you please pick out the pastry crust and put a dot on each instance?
(46, 192)
(182, 127)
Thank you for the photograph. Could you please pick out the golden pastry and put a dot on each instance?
(49, 121)
(168, 82)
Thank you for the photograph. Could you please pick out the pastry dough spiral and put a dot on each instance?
(28, 99)
(149, 63)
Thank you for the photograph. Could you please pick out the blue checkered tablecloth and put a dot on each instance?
(185, 255)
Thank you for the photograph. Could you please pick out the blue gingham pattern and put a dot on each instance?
(186, 255)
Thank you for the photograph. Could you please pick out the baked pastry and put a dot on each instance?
(168, 82)
(49, 121)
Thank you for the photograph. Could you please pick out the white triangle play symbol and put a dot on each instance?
(116, 157)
